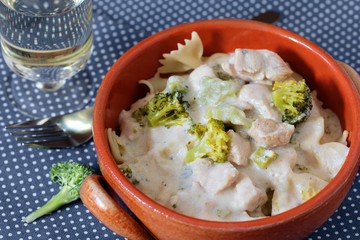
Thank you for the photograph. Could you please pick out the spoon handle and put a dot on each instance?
(108, 211)
(267, 17)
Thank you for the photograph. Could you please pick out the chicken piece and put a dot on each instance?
(270, 133)
(229, 68)
(214, 177)
(258, 95)
(239, 149)
(247, 196)
(260, 65)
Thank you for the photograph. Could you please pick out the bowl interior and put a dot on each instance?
(120, 88)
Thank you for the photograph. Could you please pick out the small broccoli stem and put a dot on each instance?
(190, 156)
(196, 152)
(63, 197)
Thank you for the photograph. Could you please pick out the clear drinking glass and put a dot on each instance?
(48, 42)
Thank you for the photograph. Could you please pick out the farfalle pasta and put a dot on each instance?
(186, 57)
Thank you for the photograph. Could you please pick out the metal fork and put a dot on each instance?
(67, 130)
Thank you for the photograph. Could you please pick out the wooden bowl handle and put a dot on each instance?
(108, 211)
(352, 74)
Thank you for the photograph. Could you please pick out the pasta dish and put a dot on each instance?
(230, 137)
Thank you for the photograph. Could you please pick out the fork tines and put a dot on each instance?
(40, 136)
(61, 131)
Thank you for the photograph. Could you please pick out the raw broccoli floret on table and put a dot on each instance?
(293, 100)
(212, 143)
(70, 175)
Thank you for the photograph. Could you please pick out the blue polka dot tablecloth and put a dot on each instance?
(25, 183)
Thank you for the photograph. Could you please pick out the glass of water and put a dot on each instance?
(48, 42)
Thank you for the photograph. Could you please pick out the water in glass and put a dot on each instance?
(46, 41)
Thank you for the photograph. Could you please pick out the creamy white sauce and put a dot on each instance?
(230, 192)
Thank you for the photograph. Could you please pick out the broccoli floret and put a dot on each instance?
(167, 109)
(70, 176)
(263, 157)
(229, 114)
(212, 144)
(198, 130)
(213, 90)
(293, 100)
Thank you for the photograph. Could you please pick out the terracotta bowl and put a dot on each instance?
(120, 88)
